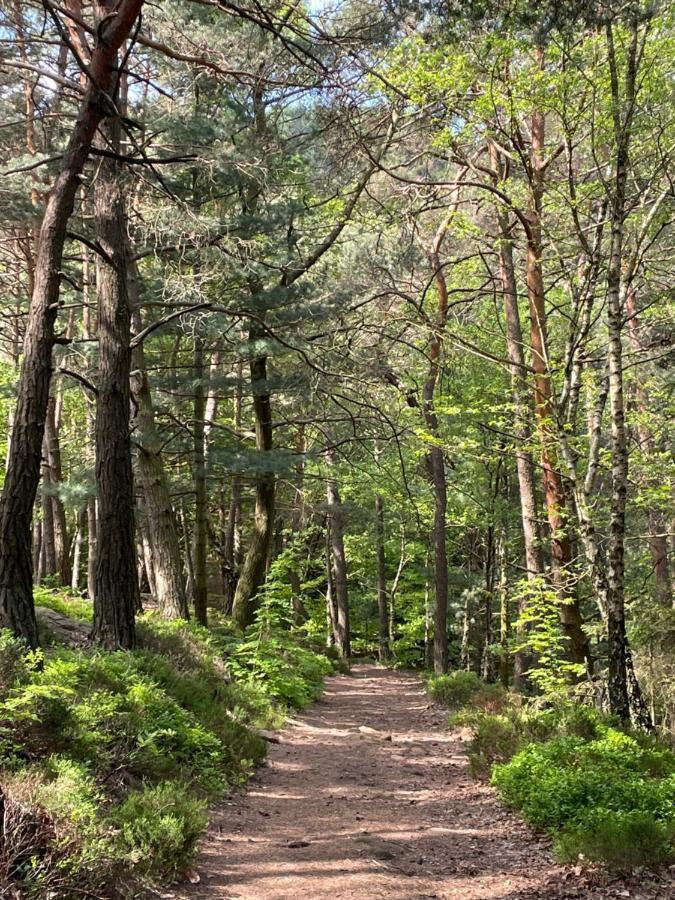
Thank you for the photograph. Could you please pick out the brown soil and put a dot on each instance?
(368, 795)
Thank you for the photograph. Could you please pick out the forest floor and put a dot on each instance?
(368, 795)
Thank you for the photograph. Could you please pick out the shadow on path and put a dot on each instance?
(388, 811)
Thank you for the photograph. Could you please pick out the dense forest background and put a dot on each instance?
(343, 330)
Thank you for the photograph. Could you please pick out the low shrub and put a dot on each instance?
(623, 839)
(288, 672)
(108, 760)
(159, 826)
(594, 793)
(454, 690)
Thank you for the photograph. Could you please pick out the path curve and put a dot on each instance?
(367, 796)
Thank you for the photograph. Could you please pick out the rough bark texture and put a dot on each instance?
(23, 471)
(200, 535)
(253, 571)
(116, 593)
(52, 478)
(232, 538)
(162, 531)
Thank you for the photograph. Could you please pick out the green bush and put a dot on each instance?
(109, 759)
(623, 839)
(495, 738)
(454, 690)
(594, 792)
(159, 826)
(288, 672)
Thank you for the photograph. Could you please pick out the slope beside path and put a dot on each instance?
(367, 795)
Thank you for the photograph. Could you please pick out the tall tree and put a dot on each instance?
(23, 464)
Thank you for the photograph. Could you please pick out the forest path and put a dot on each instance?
(393, 813)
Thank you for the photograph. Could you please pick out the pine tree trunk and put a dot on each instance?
(160, 521)
(52, 479)
(200, 535)
(232, 542)
(253, 571)
(331, 611)
(92, 544)
(23, 471)
(116, 587)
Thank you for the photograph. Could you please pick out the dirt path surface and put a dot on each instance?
(368, 796)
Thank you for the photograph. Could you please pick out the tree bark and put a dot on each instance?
(621, 681)
(116, 595)
(52, 478)
(200, 535)
(162, 532)
(23, 472)
(253, 571)
(297, 524)
(232, 541)
(570, 613)
(534, 563)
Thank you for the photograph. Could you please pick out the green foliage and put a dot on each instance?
(81, 730)
(284, 670)
(623, 838)
(159, 827)
(539, 623)
(460, 689)
(497, 737)
(570, 785)
(72, 606)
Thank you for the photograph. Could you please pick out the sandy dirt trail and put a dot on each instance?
(367, 795)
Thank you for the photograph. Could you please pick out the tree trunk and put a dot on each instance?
(52, 478)
(621, 681)
(162, 532)
(92, 544)
(200, 536)
(519, 391)
(504, 658)
(116, 592)
(331, 611)
(570, 613)
(23, 471)
(336, 521)
(487, 662)
(253, 571)
(657, 538)
(382, 598)
(436, 468)
(232, 542)
(77, 548)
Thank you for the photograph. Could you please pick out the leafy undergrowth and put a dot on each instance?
(109, 760)
(605, 795)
